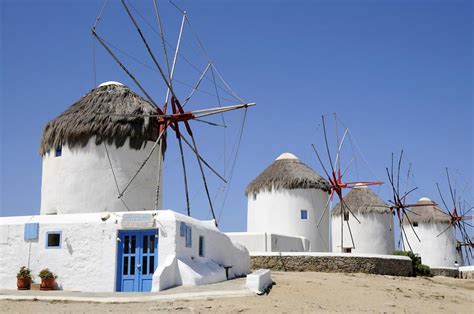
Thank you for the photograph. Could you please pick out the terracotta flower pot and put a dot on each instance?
(47, 284)
(23, 283)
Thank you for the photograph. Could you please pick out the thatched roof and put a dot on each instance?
(362, 200)
(287, 172)
(98, 114)
(427, 214)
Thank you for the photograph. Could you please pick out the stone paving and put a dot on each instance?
(230, 288)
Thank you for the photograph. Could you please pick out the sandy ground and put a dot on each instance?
(303, 293)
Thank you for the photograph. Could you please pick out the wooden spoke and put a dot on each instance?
(350, 233)
(411, 225)
(406, 238)
(325, 209)
(320, 161)
(327, 145)
(451, 189)
(449, 227)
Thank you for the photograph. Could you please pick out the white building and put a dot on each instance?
(436, 250)
(119, 251)
(85, 234)
(285, 203)
(374, 234)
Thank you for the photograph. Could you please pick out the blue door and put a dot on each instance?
(137, 260)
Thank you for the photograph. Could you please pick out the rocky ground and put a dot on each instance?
(303, 293)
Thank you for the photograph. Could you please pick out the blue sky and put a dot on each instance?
(398, 73)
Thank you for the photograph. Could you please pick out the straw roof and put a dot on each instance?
(362, 200)
(427, 214)
(98, 114)
(287, 172)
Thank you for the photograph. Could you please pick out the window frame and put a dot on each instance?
(202, 251)
(182, 229)
(189, 237)
(46, 242)
(306, 214)
(58, 151)
(345, 215)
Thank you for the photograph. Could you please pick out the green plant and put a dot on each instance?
(24, 272)
(419, 269)
(46, 274)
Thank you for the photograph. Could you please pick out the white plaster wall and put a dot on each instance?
(218, 246)
(278, 212)
(436, 252)
(87, 258)
(269, 242)
(85, 262)
(373, 235)
(253, 241)
(189, 268)
(81, 181)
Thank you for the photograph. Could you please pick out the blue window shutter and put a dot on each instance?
(201, 245)
(304, 214)
(189, 241)
(31, 231)
(182, 229)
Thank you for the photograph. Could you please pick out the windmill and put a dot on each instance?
(172, 114)
(399, 204)
(335, 176)
(458, 218)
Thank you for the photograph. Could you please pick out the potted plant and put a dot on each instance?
(47, 279)
(23, 278)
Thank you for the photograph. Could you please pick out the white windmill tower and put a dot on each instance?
(288, 198)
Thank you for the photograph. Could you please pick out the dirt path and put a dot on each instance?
(304, 293)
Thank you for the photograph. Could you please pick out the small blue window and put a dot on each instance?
(189, 240)
(304, 214)
(59, 151)
(53, 240)
(182, 229)
(201, 245)
(31, 231)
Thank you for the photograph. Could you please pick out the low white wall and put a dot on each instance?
(81, 180)
(436, 252)
(374, 234)
(327, 254)
(269, 242)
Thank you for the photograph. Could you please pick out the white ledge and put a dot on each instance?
(326, 254)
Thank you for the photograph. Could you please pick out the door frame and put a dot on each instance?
(139, 249)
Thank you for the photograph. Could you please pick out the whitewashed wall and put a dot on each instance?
(269, 242)
(87, 258)
(437, 252)
(81, 181)
(279, 212)
(85, 262)
(373, 235)
(184, 266)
